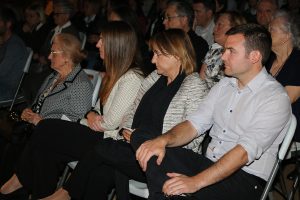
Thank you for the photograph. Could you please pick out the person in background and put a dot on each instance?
(34, 29)
(155, 18)
(221, 6)
(126, 14)
(13, 55)
(136, 5)
(180, 14)
(166, 97)
(90, 24)
(204, 19)
(212, 69)
(265, 11)
(292, 6)
(284, 63)
(56, 142)
(62, 12)
(247, 105)
(249, 10)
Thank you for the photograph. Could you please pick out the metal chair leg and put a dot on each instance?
(63, 177)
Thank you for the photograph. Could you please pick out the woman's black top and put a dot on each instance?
(289, 75)
(149, 116)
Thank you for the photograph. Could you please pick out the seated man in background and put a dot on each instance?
(180, 14)
(62, 12)
(204, 19)
(265, 11)
(13, 55)
(248, 113)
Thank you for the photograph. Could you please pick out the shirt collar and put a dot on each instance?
(39, 26)
(255, 84)
(58, 28)
(89, 19)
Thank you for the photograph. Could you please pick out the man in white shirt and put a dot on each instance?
(204, 19)
(248, 114)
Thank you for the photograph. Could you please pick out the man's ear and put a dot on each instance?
(255, 56)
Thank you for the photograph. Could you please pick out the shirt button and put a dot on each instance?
(230, 111)
(224, 131)
(220, 142)
(214, 156)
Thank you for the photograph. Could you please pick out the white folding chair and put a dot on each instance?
(21, 98)
(138, 189)
(96, 82)
(82, 37)
(281, 154)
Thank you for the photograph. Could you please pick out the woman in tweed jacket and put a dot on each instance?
(68, 90)
(165, 98)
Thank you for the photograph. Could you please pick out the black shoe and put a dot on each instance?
(19, 194)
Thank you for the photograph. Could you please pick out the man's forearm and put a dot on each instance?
(224, 167)
(180, 135)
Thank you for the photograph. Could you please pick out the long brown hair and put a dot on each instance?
(120, 50)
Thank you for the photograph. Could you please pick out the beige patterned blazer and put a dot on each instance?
(188, 97)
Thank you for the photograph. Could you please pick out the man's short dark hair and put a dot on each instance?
(183, 8)
(7, 15)
(256, 36)
(208, 4)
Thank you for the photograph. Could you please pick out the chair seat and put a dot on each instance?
(138, 188)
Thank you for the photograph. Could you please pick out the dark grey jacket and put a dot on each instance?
(72, 98)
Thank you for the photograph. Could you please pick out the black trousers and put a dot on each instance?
(240, 185)
(53, 144)
(110, 164)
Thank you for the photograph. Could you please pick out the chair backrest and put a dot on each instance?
(25, 71)
(280, 156)
(82, 37)
(96, 81)
(28, 61)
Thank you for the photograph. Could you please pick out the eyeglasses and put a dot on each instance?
(55, 52)
(169, 18)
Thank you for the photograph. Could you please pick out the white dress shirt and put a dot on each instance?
(58, 29)
(255, 117)
(207, 32)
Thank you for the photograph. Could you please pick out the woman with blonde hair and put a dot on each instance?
(57, 142)
(166, 97)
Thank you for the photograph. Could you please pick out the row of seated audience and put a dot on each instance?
(131, 114)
